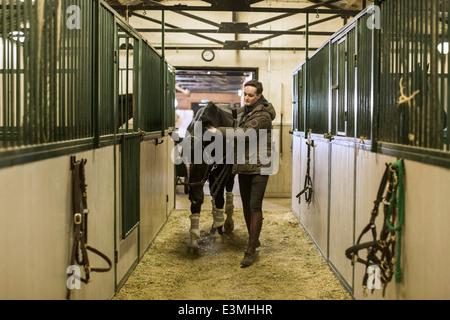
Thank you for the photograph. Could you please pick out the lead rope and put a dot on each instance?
(397, 201)
(388, 242)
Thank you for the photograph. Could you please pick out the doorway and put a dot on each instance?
(196, 86)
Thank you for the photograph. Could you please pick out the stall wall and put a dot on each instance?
(355, 175)
(37, 225)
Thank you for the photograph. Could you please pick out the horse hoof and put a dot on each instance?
(193, 250)
(229, 225)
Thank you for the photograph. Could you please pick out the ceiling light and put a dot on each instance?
(17, 36)
(443, 47)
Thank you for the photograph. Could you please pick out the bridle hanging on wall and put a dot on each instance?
(308, 184)
(80, 223)
(384, 252)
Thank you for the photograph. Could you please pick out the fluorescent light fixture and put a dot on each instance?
(443, 47)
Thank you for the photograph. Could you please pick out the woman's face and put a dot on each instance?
(250, 96)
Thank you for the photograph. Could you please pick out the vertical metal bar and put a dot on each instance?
(442, 76)
(39, 75)
(137, 67)
(84, 104)
(127, 71)
(419, 62)
(54, 74)
(98, 38)
(69, 86)
(79, 77)
(3, 72)
(19, 127)
(377, 72)
(447, 77)
(422, 34)
(62, 85)
(307, 67)
(116, 79)
(415, 43)
(162, 74)
(396, 71)
(26, 77)
(406, 74)
(435, 101)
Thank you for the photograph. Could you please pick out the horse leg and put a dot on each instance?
(229, 205)
(229, 209)
(218, 218)
(194, 231)
(196, 197)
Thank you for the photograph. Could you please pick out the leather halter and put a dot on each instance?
(308, 185)
(380, 251)
(80, 220)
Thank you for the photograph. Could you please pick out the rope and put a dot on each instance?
(220, 180)
(397, 200)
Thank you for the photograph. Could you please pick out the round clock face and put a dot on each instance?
(208, 55)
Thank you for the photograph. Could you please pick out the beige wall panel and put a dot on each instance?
(369, 172)
(314, 216)
(297, 184)
(127, 254)
(425, 250)
(154, 162)
(37, 226)
(170, 176)
(279, 185)
(341, 208)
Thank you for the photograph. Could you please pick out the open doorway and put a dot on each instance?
(196, 86)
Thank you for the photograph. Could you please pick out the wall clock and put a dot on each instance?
(208, 55)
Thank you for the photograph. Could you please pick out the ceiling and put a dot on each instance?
(238, 5)
(221, 80)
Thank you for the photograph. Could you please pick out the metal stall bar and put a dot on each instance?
(447, 74)
(107, 60)
(413, 74)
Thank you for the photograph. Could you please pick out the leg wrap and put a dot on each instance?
(229, 206)
(195, 225)
(218, 217)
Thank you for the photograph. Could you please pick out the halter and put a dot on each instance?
(80, 220)
(381, 251)
(308, 185)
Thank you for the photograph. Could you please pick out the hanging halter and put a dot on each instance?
(381, 251)
(80, 220)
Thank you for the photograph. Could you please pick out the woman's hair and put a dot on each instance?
(255, 83)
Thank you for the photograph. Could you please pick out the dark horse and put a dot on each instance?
(209, 168)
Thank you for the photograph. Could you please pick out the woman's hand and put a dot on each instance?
(211, 129)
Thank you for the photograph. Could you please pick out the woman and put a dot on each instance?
(256, 119)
